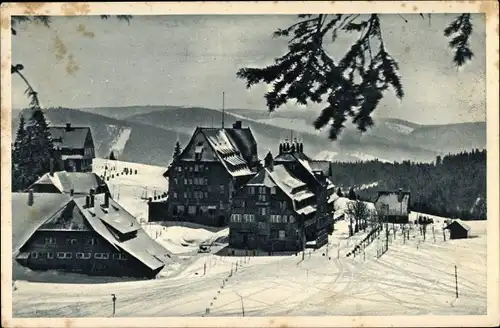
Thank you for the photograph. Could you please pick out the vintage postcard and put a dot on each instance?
(250, 164)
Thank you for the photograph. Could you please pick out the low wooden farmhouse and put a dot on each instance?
(74, 148)
(91, 235)
(393, 206)
(71, 183)
(458, 229)
(203, 178)
(282, 207)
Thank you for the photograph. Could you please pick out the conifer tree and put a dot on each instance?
(112, 156)
(352, 194)
(177, 150)
(350, 87)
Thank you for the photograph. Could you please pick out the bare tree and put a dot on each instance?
(359, 211)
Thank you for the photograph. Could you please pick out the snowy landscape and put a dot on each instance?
(414, 277)
(233, 165)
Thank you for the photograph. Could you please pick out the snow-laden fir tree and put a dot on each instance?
(32, 151)
(177, 150)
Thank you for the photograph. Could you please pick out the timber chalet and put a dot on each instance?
(74, 147)
(203, 178)
(393, 205)
(92, 235)
(286, 205)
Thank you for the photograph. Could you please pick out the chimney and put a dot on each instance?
(68, 126)
(301, 147)
(72, 192)
(106, 199)
(87, 201)
(237, 125)
(400, 195)
(92, 197)
(269, 161)
(281, 148)
(31, 198)
(51, 167)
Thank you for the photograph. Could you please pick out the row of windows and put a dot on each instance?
(273, 219)
(194, 168)
(193, 181)
(193, 194)
(243, 218)
(282, 219)
(260, 190)
(78, 255)
(70, 241)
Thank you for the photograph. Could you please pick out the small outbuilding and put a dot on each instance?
(458, 229)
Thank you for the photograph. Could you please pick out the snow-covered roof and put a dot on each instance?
(80, 182)
(141, 246)
(27, 219)
(460, 222)
(73, 138)
(306, 210)
(227, 150)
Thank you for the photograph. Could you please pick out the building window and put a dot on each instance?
(179, 168)
(222, 189)
(248, 218)
(185, 181)
(282, 234)
(262, 191)
(64, 255)
(236, 217)
(190, 169)
(273, 191)
(83, 256)
(50, 241)
(206, 181)
(34, 255)
(206, 194)
(201, 167)
(180, 208)
(90, 241)
(261, 225)
(282, 205)
(71, 241)
(192, 210)
(101, 256)
(263, 211)
(50, 255)
(262, 198)
(190, 181)
(251, 190)
(175, 180)
(196, 168)
(174, 195)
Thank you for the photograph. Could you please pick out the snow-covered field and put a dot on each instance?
(413, 277)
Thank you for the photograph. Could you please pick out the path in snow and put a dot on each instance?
(404, 281)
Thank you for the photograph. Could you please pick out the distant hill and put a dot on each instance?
(154, 131)
(145, 144)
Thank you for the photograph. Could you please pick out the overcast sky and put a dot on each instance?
(189, 60)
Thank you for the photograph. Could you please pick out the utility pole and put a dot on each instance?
(223, 109)
(242, 307)
(205, 268)
(456, 282)
(113, 298)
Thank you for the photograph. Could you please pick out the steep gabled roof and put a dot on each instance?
(459, 222)
(73, 137)
(80, 182)
(226, 146)
(27, 219)
(141, 246)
